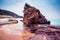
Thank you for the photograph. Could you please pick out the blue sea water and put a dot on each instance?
(55, 22)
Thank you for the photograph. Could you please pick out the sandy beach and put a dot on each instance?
(14, 32)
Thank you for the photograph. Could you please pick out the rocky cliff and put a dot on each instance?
(33, 15)
(33, 20)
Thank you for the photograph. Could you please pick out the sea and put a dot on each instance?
(55, 22)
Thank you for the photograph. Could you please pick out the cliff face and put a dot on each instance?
(33, 16)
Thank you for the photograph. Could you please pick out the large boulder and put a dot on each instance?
(32, 15)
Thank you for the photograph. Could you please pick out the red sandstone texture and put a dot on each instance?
(33, 18)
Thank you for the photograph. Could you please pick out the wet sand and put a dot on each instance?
(14, 32)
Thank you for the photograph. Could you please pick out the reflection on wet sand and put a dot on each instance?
(14, 32)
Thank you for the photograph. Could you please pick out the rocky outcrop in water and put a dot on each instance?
(33, 16)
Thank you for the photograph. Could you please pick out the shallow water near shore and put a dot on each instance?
(55, 22)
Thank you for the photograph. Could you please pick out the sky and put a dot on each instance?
(49, 8)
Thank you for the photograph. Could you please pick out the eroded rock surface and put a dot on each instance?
(47, 33)
(33, 16)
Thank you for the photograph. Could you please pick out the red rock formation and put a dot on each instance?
(33, 16)
(47, 33)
